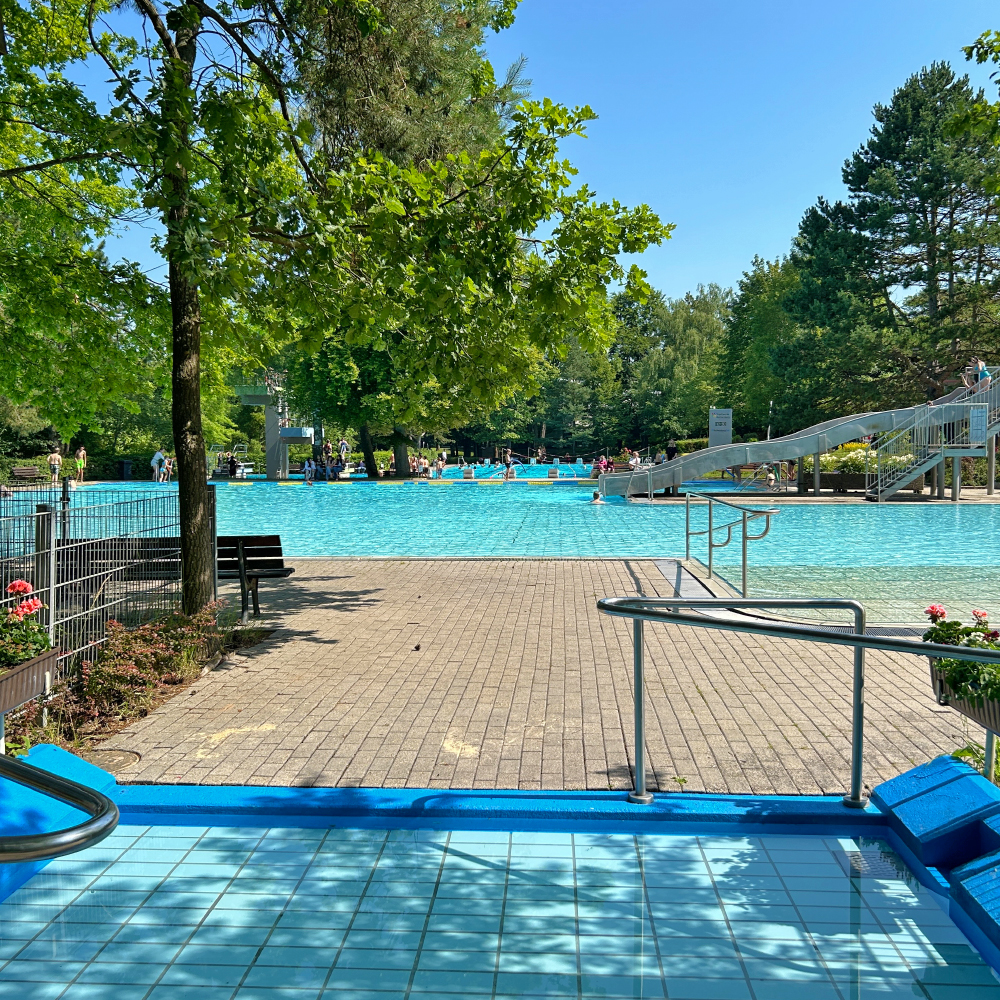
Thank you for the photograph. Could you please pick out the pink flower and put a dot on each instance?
(982, 618)
(936, 613)
(19, 587)
(28, 607)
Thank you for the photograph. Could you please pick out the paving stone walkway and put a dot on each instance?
(502, 674)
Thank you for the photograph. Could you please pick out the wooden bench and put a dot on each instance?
(249, 559)
(25, 473)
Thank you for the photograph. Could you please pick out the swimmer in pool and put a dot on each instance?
(597, 497)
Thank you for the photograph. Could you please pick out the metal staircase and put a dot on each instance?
(908, 441)
(959, 426)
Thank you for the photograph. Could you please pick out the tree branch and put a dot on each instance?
(276, 87)
(147, 8)
(28, 168)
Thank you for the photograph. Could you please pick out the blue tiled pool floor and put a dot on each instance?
(185, 913)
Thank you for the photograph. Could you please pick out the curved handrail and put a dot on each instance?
(754, 511)
(747, 514)
(658, 609)
(42, 846)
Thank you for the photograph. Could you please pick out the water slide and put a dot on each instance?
(907, 442)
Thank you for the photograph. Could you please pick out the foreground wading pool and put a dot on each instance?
(215, 912)
(380, 894)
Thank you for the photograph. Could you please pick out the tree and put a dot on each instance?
(268, 238)
(677, 382)
(758, 324)
(897, 286)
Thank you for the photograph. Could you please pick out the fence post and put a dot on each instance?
(43, 562)
(212, 509)
(64, 505)
(991, 464)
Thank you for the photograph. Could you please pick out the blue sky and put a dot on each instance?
(729, 118)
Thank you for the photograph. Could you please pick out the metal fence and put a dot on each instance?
(93, 561)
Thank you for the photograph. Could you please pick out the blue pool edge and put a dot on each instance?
(942, 818)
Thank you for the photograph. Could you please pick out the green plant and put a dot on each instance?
(22, 635)
(970, 680)
(974, 754)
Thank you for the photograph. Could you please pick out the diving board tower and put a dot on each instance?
(278, 432)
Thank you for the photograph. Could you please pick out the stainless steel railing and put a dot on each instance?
(38, 846)
(665, 609)
(747, 514)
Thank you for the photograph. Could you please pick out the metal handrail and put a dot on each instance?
(42, 846)
(748, 514)
(657, 609)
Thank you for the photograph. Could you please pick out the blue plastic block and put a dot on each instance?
(974, 867)
(23, 810)
(919, 781)
(942, 825)
(977, 891)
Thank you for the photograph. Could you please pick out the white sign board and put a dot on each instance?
(977, 424)
(720, 427)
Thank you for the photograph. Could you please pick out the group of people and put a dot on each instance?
(78, 465)
(163, 467)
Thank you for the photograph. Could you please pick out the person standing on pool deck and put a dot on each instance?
(55, 465)
(671, 450)
(155, 463)
(328, 452)
(343, 448)
(81, 462)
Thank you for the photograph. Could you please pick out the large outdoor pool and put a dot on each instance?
(897, 558)
(427, 519)
(178, 913)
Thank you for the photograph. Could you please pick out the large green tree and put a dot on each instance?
(268, 235)
(897, 285)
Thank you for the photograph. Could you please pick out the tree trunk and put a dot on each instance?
(368, 449)
(197, 571)
(400, 453)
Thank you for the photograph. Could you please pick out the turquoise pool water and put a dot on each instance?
(409, 519)
(194, 913)
(897, 558)
(508, 520)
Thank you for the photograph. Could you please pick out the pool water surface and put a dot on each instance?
(176, 913)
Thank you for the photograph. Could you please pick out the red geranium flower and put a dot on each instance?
(19, 587)
(936, 613)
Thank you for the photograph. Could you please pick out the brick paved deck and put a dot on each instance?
(501, 674)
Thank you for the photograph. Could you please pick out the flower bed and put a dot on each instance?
(25, 650)
(969, 687)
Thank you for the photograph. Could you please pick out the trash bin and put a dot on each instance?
(124, 468)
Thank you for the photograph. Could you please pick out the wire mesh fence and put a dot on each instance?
(114, 558)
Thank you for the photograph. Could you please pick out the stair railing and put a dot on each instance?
(747, 514)
(667, 610)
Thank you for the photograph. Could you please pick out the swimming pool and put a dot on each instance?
(172, 913)
(897, 558)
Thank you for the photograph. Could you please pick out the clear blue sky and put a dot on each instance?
(728, 117)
